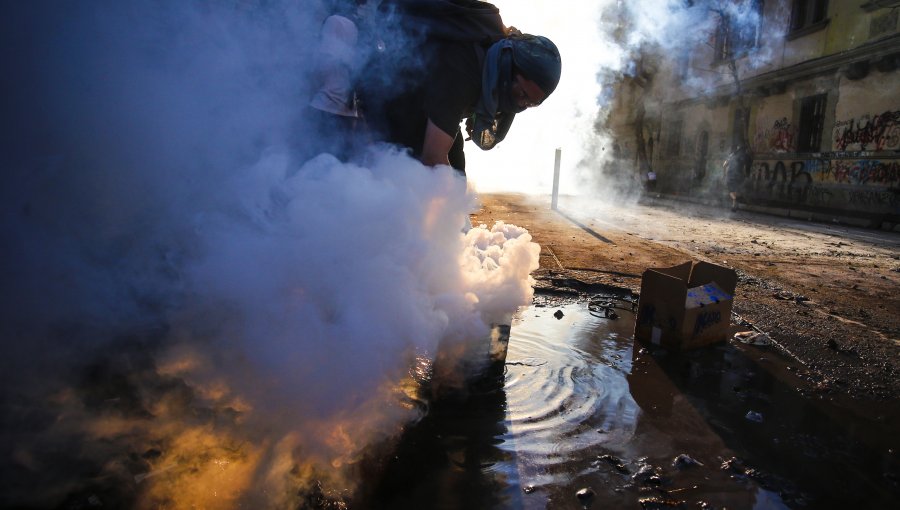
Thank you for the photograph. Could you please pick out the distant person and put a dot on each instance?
(735, 169)
(474, 69)
(651, 181)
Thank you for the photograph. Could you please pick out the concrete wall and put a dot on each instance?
(773, 129)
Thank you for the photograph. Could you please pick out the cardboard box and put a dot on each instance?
(685, 306)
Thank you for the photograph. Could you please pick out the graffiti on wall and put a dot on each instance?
(861, 184)
(874, 198)
(778, 138)
(872, 133)
(865, 171)
(789, 182)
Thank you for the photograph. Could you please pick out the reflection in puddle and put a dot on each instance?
(583, 406)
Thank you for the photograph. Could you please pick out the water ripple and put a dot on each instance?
(565, 385)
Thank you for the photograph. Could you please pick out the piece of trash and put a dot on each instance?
(699, 307)
(585, 493)
(734, 465)
(753, 338)
(684, 461)
(754, 416)
(528, 489)
(616, 463)
(559, 314)
(647, 475)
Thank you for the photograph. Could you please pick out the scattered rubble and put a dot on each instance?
(754, 416)
(685, 461)
(753, 338)
(616, 463)
(585, 493)
(648, 474)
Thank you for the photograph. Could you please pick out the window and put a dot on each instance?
(738, 30)
(812, 118)
(807, 13)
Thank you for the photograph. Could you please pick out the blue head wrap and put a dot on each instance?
(536, 58)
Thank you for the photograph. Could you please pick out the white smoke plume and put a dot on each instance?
(599, 42)
(192, 314)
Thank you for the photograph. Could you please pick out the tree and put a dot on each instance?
(737, 33)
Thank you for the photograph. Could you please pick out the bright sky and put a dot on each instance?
(523, 162)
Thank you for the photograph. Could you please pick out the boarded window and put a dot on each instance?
(812, 119)
(806, 13)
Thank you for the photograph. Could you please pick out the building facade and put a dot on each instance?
(811, 86)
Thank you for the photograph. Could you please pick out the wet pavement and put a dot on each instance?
(584, 417)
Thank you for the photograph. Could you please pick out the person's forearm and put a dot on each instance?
(434, 159)
(436, 149)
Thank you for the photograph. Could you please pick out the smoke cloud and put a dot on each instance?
(192, 313)
(601, 43)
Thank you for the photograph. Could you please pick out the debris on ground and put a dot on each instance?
(684, 461)
(734, 465)
(616, 463)
(648, 475)
(559, 314)
(659, 503)
(753, 338)
(754, 416)
(585, 493)
(528, 489)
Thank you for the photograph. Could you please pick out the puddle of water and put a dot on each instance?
(581, 405)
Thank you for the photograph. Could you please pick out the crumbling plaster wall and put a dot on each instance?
(849, 25)
(772, 126)
(867, 114)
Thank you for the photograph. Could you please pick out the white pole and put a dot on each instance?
(555, 197)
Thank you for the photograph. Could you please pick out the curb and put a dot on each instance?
(797, 214)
